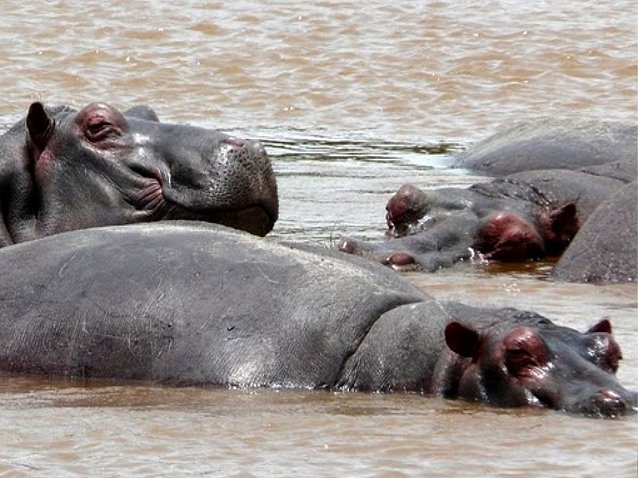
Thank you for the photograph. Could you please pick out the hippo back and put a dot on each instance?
(552, 144)
(186, 303)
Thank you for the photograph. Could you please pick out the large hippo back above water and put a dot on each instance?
(179, 303)
(63, 169)
(553, 144)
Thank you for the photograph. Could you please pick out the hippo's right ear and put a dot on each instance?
(39, 124)
(462, 339)
(603, 326)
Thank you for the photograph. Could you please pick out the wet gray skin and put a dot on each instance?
(62, 169)
(552, 175)
(195, 304)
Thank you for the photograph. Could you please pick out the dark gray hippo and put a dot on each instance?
(196, 304)
(63, 169)
(531, 213)
(552, 144)
(606, 247)
(526, 215)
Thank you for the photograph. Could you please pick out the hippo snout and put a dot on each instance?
(610, 403)
(245, 172)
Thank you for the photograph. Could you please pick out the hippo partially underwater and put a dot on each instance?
(63, 169)
(553, 176)
(181, 303)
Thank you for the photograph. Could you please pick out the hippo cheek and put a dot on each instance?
(150, 197)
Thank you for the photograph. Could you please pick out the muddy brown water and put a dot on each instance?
(352, 99)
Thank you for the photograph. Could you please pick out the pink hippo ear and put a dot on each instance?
(603, 326)
(39, 124)
(462, 339)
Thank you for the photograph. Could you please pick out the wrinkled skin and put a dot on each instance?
(553, 144)
(190, 303)
(62, 169)
(522, 216)
(606, 247)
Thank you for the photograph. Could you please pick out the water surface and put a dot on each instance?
(352, 100)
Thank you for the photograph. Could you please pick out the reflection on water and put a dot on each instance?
(352, 100)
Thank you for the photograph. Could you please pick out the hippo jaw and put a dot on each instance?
(97, 167)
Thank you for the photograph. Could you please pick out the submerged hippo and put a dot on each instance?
(560, 173)
(190, 303)
(527, 215)
(63, 169)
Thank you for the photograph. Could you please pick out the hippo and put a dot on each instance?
(62, 169)
(548, 143)
(551, 176)
(521, 216)
(189, 303)
(606, 247)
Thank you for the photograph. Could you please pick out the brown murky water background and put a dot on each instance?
(352, 99)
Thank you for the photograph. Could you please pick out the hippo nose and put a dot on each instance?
(608, 402)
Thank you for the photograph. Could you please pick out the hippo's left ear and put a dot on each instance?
(462, 339)
(603, 326)
(39, 124)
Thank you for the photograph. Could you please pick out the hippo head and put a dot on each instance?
(542, 364)
(98, 166)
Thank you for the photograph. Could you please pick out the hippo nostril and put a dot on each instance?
(607, 403)
(609, 395)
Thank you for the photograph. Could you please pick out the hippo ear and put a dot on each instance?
(603, 326)
(462, 339)
(563, 220)
(39, 124)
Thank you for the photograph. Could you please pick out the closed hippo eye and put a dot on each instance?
(98, 131)
(100, 122)
(519, 362)
(525, 355)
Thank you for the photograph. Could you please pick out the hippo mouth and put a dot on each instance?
(157, 202)
(255, 220)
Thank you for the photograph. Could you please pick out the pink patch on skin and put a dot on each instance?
(234, 142)
(43, 163)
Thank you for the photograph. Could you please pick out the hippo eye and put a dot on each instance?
(518, 361)
(98, 131)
